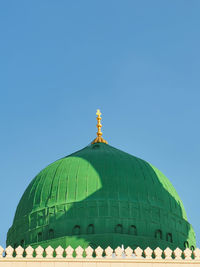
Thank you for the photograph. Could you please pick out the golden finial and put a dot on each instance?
(99, 138)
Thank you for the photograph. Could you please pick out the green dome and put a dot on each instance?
(101, 196)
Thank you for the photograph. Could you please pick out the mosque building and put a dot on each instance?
(101, 196)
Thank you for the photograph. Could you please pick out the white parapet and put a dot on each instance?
(79, 257)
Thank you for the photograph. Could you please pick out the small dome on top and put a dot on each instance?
(103, 196)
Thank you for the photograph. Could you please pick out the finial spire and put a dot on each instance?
(99, 138)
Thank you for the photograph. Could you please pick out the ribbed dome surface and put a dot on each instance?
(101, 196)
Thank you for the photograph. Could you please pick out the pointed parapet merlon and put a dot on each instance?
(79, 253)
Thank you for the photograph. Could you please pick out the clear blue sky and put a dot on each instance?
(138, 61)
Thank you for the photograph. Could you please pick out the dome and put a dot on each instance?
(103, 196)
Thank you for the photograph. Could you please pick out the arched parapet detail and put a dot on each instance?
(113, 255)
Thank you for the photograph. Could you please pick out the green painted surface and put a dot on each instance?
(101, 196)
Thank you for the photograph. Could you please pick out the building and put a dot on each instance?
(101, 196)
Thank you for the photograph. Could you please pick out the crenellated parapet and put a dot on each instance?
(119, 253)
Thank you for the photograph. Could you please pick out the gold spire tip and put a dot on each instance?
(99, 138)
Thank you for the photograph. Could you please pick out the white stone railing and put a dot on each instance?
(186, 255)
